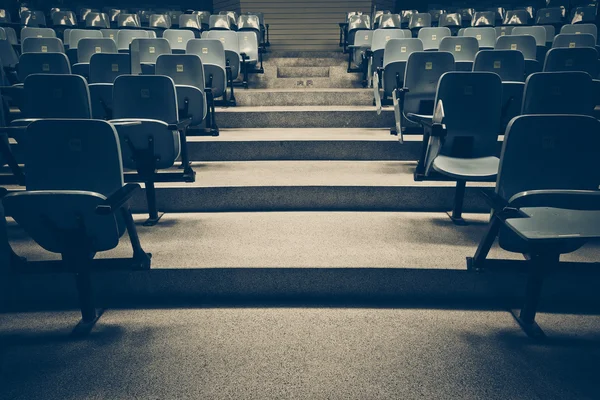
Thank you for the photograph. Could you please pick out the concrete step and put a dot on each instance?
(304, 117)
(338, 78)
(303, 72)
(304, 96)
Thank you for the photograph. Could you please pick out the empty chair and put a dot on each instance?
(549, 16)
(128, 20)
(28, 32)
(574, 40)
(212, 54)
(578, 59)
(174, 17)
(452, 21)
(538, 32)
(526, 44)
(581, 28)
(86, 48)
(251, 23)
(178, 39)
(485, 36)
(75, 204)
(559, 93)
(250, 53)
(395, 58)
(219, 22)
(144, 16)
(190, 22)
(77, 34)
(97, 20)
(144, 53)
(42, 63)
(484, 18)
(156, 138)
(33, 18)
(516, 17)
(125, 37)
(204, 19)
(390, 21)
(405, 17)
(435, 16)
(466, 16)
(8, 56)
(504, 30)
(161, 21)
(231, 45)
(356, 23)
(550, 33)
(418, 21)
(110, 33)
(56, 96)
(582, 15)
(375, 55)
(461, 143)
(545, 211)
(64, 18)
(363, 39)
(42, 45)
(463, 49)
(431, 37)
(104, 69)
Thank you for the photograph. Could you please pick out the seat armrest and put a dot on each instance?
(180, 125)
(117, 199)
(126, 123)
(567, 199)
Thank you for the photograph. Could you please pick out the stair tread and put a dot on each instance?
(292, 109)
(302, 134)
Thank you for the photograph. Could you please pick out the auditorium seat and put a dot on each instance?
(504, 30)
(550, 16)
(178, 39)
(559, 93)
(75, 204)
(126, 36)
(526, 44)
(539, 33)
(104, 69)
(355, 24)
(431, 37)
(584, 15)
(405, 17)
(219, 22)
(452, 21)
(499, 14)
(33, 18)
(144, 17)
(204, 19)
(463, 49)
(484, 19)
(581, 28)
(363, 40)
(64, 18)
(174, 17)
(159, 21)
(42, 45)
(389, 21)
(516, 17)
(574, 40)
(86, 48)
(144, 53)
(128, 21)
(231, 45)
(486, 36)
(190, 22)
(212, 54)
(11, 35)
(251, 23)
(152, 136)
(550, 33)
(466, 16)
(42, 63)
(418, 21)
(578, 59)
(395, 58)
(110, 33)
(375, 54)
(436, 14)
(545, 211)
(74, 37)
(460, 140)
(37, 32)
(232, 18)
(250, 53)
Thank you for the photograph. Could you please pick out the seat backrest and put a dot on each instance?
(431, 37)
(504, 30)
(574, 40)
(147, 50)
(486, 36)
(578, 59)
(144, 16)
(436, 14)
(145, 96)
(84, 12)
(472, 107)
(42, 63)
(113, 14)
(42, 45)
(546, 152)
(548, 16)
(174, 17)
(400, 49)
(466, 14)
(178, 38)
(363, 38)
(56, 96)
(28, 32)
(184, 69)
(189, 21)
(462, 48)
(423, 71)
(248, 42)
(126, 36)
(484, 18)
(361, 21)
(89, 46)
(584, 14)
(538, 32)
(419, 20)
(524, 43)
(64, 18)
(219, 22)
(558, 93)
(106, 67)
(249, 22)
(204, 18)
(578, 29)
(77, 34)
(228, 38)
(508, 64)
(550, 33)
(110, 33)
(33, 18)
(211, 51)
(450, 20)
(382, 36)
(129, 20)
(389, 21)
(516, 17)
(159, 21)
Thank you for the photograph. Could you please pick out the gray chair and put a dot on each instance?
(251, 23)
(174, 17)
(128, 20)
(42, 63)
(97, 20)
(232, 49)
(86, 48)
(77, 34)
(251, 55)
(219, 22)
(484, 19)
(161, 21)
(431, 37)
(144, 53)
(144, 16)
(485, 36)
(395, 58)
(33, 18)
(578, 59)
(504, 30)
(574, 40)
(190, 22)
(550, 33)
(355, 24)
(8, 55)
(559, 93)
(42, 45)
(538, 32)
(380, 39)
(178, 39)
(56, 96)
(212, 54)
(578, 29)
(418, 21)
(28, 32)
(204, 19)
(125, 37)
(75, 204)
(363, 39)
(546, 200)
(152, 137)
(516, 17)
(389, 21)
(526, 44)
(11, 35)
(464, 50)
(104, 69)
(110, 33)
(549, 16)
(64, 18)
(452, 21)
(461, 139)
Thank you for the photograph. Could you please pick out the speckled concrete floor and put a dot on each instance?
(298, 353)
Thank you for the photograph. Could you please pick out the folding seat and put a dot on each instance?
(504, 30)
(516, 17)
(250, 53)
(125, 37)
(435, 16)
(375, 54)
(545, 202)
(42, 63)
(559, 93)
(97, 20)
(463, 49)
(113, 16)
(574, 40)
(190, 22)
(232, 17)
(377, 17)
(129, 21)
(466, 16)
(579, 29)
(33, 18)
(159, 21)
(219, 22)
(578, 59)
(363, 39)
(64, 18)
(418, 21)
(251, 23)
(188, 74)
(104, 69)
(499, 14)
(144, 16)
(405, 17)
(42, 45)
(484, 18)
(550, 16)
(74, 37)
(526, 44)
(395, 57)
(204, 19)
(452, 21)
(584, 15)
(37, 32)
(174, 17)
(510, 66)
(178, 39)
(231, 45)
(144, 53)
(550, 33)
(389, 21)
(75, 205)
(264, 28)
(416, 96)
(485, 36)
(84, 12)
(539, 33)
(212, 54)
(530, 9)
(86, 48)
(355, 24)
(431, 37)
(110, 33)
(152, 137)
(5, 16)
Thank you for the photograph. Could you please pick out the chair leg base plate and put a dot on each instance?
(459, 221)
(83, 328)
(153, 221)
(532, 329)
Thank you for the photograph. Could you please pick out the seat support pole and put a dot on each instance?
(459, 197)
(154, 215)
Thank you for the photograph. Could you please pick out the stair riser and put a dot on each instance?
(304, 98)
(299, 72)
(305, 119)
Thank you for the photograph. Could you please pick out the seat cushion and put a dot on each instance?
(470, 169)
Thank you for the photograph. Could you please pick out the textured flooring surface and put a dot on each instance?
(306, 240)
(298, 353)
